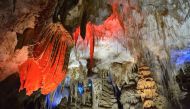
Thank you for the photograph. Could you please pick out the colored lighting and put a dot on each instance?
(179, 57)
(47, 68)
(111, 26)
(53, 99)
(80, 88)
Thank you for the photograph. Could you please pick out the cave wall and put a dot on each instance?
(15, 17)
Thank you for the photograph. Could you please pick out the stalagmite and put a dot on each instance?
(146, 87)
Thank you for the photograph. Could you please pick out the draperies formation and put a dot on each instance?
(47, 67)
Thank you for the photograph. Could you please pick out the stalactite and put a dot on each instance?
(48, 66)
(113, 24)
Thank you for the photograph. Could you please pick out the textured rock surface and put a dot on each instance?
(146, 87)
(150, 30)
(15, 16)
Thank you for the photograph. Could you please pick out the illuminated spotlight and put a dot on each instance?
(80, 88)
(89, 83)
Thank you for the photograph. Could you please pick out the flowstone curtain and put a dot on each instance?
(48, 66)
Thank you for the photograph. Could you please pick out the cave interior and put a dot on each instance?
(94, 54)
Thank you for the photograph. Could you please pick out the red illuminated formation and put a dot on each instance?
(48, 66)
(111, 25)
